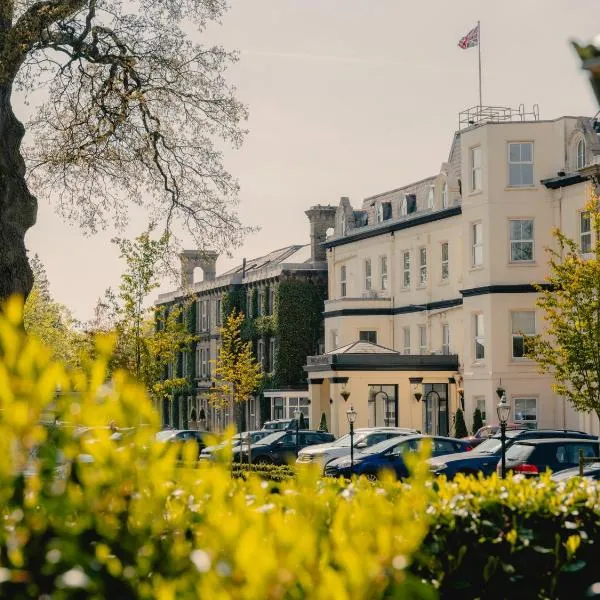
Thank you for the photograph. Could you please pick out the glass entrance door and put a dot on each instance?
(435, 408)
(383, 406)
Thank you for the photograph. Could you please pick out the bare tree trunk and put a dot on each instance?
(18, 207)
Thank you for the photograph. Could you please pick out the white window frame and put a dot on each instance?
(406, 269)
(515, 243)
(203, 363)
(431, 197)
(422, 266)
(422, 339)
(476, 156)
(272, 351)
(521, 163)
(205, 308)
(477, 244)
(445, 338)
(383, 271)
(218, 309)
(580, 150)
(260, 353)
(445, 195)
(335, 339)
(260, 299)
(406, 340)
(445, 262)
(585, 236)
(379, 212)
(368, 274)
(403, 206)
(343, 284)
(524, 420)
(516, 335)
(478, 336)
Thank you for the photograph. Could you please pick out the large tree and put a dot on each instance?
(132, 109)
(569, 348)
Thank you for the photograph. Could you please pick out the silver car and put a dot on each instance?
(321, 454)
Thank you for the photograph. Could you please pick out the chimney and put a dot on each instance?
(190, 259)
(321, 219)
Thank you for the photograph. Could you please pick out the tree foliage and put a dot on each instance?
(569, 348)
(51, 322)
(135, 112)
(477, 421)
(237, 373)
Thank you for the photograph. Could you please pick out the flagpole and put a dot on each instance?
(479, 54)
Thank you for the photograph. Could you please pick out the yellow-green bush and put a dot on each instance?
(127, 523)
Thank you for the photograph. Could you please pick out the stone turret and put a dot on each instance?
(321, 219)
(190, 259)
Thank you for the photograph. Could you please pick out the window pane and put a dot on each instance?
(514, 174)
(514, 152)
(527, 174)
(479, 350)
(445, 251)
(527, 152)
(523, 321)
(518, 349)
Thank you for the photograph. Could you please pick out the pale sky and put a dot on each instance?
(351, 98)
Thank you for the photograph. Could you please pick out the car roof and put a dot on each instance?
(513, 433)
(538, 441)
(382, 429)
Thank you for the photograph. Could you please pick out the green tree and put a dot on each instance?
(460, 428)
(237, 374)
(323, 423)
(477, 421)
(569, 348)
(132, 108)
(51, 322)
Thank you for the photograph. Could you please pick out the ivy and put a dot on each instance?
(233, 299)
(266, 325)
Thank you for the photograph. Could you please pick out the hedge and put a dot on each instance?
(268, 472)
(515, 539)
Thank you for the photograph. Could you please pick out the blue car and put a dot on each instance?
(388, 456)
(485, 457)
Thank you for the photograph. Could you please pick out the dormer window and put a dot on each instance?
(383, 211)
(581, 154)
(409, 204)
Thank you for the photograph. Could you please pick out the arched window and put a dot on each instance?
(581, 154)
(445, 195)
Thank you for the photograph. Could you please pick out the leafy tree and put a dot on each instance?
(477, 421)
(460, 428)
(569, 348)
(131, 111)
(323, 423)
(51, 322)
(237, 373)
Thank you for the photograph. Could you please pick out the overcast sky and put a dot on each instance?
(351, 97)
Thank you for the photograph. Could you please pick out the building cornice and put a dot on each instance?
(382, 362)
(519, 288)
(561, 181)
(363, 233)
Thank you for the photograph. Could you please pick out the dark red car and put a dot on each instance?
(487, 431)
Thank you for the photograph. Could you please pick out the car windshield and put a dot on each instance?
(163, 436)
(385, 445)
(273, 437)
(490, 446)
(344, 441)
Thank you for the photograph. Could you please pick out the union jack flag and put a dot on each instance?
(471, 39)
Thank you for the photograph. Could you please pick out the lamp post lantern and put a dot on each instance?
(351, 414)
(297, 417)
(503, 410)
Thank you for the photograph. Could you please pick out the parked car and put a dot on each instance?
(485, 457)
(281, 424)
(389, 456)
(532, 457)
(236, 440)
(590, 471)
(179, 436)
(363, 438)
(280, 447)
(488, 431)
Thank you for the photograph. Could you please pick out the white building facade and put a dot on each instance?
(447, 266)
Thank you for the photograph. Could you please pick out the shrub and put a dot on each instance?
(268, 472)
(460, 428)
(121, 520)
(515, 539)
(477, 421)
(323, 423)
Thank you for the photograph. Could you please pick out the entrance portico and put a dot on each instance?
(385, 387)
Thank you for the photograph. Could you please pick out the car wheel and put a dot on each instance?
(371, 477)
(262, 460)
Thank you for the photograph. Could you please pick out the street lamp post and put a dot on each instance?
(351, 414)
(503, 410)
(297, 416)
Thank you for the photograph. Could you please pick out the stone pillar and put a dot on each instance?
(321, 219)
(190, 259)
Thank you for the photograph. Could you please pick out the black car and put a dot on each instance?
(532, 457)
(389, 456)
(281, 447)
(175, 436)
(284, 424)
(485, 457)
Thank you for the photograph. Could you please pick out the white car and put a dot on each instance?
(321, 454)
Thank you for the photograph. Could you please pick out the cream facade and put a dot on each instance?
(446, 266)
